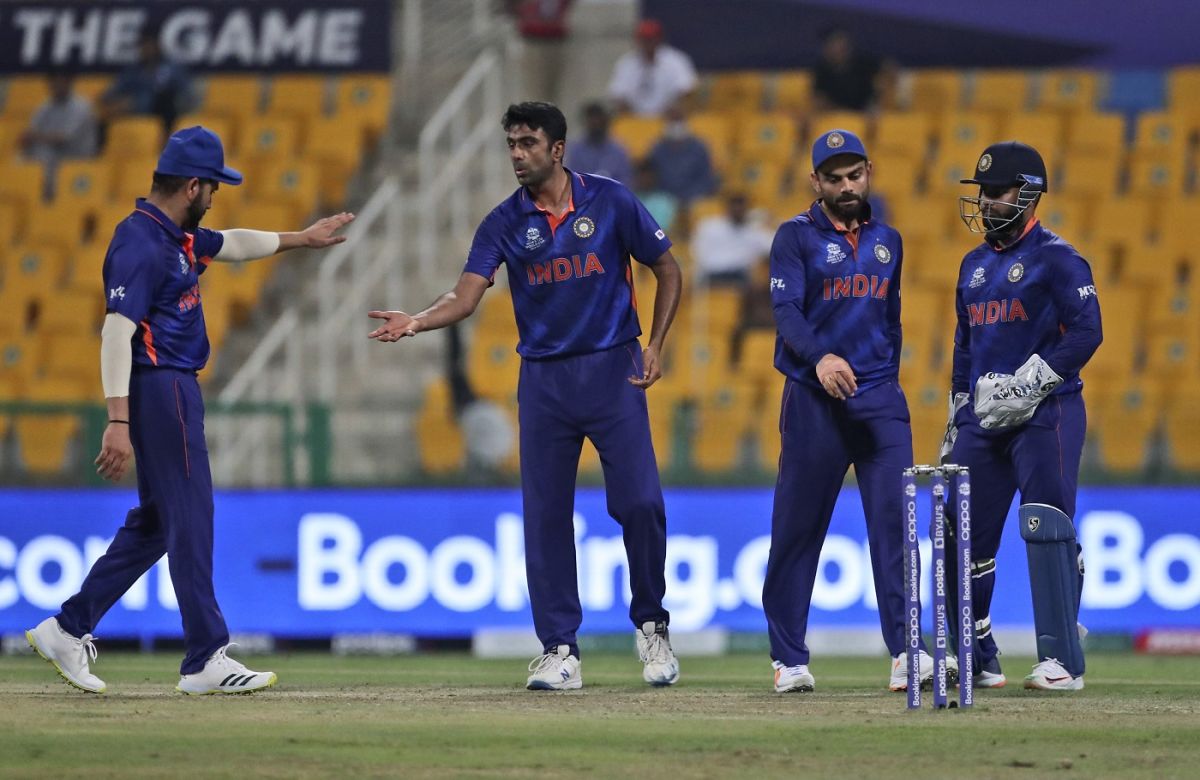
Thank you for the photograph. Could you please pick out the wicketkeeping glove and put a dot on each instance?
(955, 401)
(1005, 400)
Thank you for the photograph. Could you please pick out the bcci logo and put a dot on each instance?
(584, 227)
(1016, 272)
(985, 162)
(835, 141)
(883, 254)
(1034, 522)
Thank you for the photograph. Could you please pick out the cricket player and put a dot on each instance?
(835, 289)
(152, 344)
(1028, 321)
(567, 239)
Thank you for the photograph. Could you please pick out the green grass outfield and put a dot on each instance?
(452, 715)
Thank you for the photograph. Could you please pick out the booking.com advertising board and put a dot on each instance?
(446, 563)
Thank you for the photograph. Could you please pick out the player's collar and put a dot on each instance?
(822, 220)
(1030, 226)
(156, 214)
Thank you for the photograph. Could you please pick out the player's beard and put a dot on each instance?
(195, 213)
(999, 229)
(845, 209)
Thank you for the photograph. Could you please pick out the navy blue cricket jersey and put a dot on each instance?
(1034, 296)
(151, 276)
(837, 291)
(570, 277)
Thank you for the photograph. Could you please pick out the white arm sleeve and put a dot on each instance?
(241, 244)
(116, 354)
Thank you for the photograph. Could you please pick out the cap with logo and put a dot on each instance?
(834, 143)
(1008, 164)
(196, 151)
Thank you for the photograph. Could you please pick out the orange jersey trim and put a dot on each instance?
(148, 340)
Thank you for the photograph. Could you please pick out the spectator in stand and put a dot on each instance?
(662, 205)
(726, 247)
(654, 77)
(63, 127)
(844, 79)
(152, 86)
(597, 152)
(681, 161)
(543, 26)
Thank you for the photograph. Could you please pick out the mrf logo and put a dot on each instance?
(991, 312)
(1086, 291)
(561, 269)
(856, 286)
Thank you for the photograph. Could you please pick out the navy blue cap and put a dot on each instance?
(836, 142)
(1008, 164)
(196, 151)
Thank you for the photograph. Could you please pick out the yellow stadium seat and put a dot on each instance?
(1123, 417)
(756, 363)
(137, 137)
(24, 94)
(1183, 86)
(1066, 216)
(78, 310)
(762, 182)
(35, 271)
(789, 90)
(1159, 131)
(55, 226)
(1094, 133)
(131, 179)
(946, 176)
(999, 90)
(1069, 90)
(288, 182)
(15, 315)
(1121, 222)
(92, 87)
(936, 91)
(854, 121)
(733, 91)
(71, 358)
(1154, 174)
(663, 405)
(767, 138)
(700, 360)
(637, 134)
(1041, 130)
(1115, 357)
(1182, 422)
(366, 96)
(719, 307)
(335, 144)
(966, 134)
(895, 176)
(10, 136)
(105, 220)
(45, 439)
(766, 434)
(270, 137)
(725, 416)
(21, 185)
(301, 95)
(264, 216)
(1173, 355)
(232, 95)
(904, 134)
(83, 185)
(493, 367)
(716, 131)
(1087, 174)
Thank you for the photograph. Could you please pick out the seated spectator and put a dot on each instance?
(543, 26)
(663, 206)
(597, 153)
(151, 86)
(726, 247)
(654, 77)
(681, 161)
(844, 79)
(63, 127)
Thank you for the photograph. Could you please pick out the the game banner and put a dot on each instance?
(216, 35)
(445, 563)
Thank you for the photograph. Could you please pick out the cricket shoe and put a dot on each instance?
(1049, 675)
(990, 675)
(654, 648)
(68, 654)
(899, 678)
(792, 678)
(222, 674)
(557, 671)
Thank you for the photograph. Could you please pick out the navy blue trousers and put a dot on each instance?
(174, 516)
(1039, 458)
(562, 401)
(822, 437)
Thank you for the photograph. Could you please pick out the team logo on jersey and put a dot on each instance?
(584, 227)
(977, 279)
(183, 263)
(533, 238)
(835, 141)
(883, 254)
(834, 253)
(1016, 272)
(985, 162)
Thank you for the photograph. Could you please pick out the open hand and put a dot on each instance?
(321, 233)
(397, 325)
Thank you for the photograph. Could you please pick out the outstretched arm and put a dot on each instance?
(241, 244)
(449, 308)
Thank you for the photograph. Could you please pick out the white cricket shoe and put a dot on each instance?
(557, 671)
(1049, 675)
(990, 675)
(654, 648)
(222, 674)
(792, 678)
(899, 678)
(68, 654)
